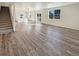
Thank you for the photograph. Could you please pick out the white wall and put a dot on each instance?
(19, 9)
(12, 12)
(69, 16)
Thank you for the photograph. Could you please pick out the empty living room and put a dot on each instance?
(39, 28)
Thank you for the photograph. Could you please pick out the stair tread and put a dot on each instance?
(5, 23)
(5, 26)
(6, 31)
(2, 29)
(5, 20)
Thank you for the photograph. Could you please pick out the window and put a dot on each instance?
(54, 14)
(57, 14)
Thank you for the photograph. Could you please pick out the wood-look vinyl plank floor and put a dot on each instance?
(40, 40)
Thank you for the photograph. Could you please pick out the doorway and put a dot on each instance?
(38, 18)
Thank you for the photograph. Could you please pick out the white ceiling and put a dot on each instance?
(41, 5)
(38, 5)
(56, 4)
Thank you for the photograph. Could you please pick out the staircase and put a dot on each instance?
(5, 20)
